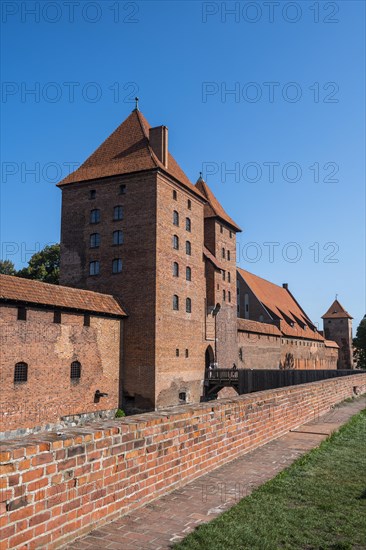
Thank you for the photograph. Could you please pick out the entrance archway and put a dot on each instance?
(209, 357)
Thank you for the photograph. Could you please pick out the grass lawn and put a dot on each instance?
(317, 503)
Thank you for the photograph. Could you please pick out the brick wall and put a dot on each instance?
(57, 488)
(48, 348)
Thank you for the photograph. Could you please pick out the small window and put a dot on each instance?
(223, 275)
(175, 269)
(57, 317)
(122, 189)
(94, 240)
(95, 215)
(188, 305)
(183, 396)
(224, 295)
(118, 213)
(223, 252)
(117, 265)
(231, 234)
(229, 277)
(188, 248)
(189, 205)
(177, 352)
(229, 296)
(176, 242)
(174, 195)
(218, 286)
(187, 352)
(221, 229)
(75, 370)
(86, 319)
(175, 302)
(94, 268)
(175, 218)
(92, 194)
(117, 237)
(22, 314)
(188, 224)
(20, 373)
(188, 274)
(228, 254)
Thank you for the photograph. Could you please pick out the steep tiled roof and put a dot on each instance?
(213, 208)
(212, 258)
(16, 289)
(336, 311)
(127, 150)
(280, 304)
(331, 344)
(246, 325)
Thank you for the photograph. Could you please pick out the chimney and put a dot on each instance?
(159, 143)
(285, 285)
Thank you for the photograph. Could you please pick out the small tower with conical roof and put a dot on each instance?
(337, 323)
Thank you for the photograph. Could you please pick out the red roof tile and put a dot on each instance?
(127, 150)
(331, 344)
(213, 208)
(280, 303)
(246, 325)
(35, 292)
(336, 311)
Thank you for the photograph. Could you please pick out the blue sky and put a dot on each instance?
(283, 152)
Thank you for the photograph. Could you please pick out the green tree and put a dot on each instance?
(43, 265)
(359, 344)
(7, 267)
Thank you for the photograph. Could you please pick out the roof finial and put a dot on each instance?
(336, 297)
(136, 103)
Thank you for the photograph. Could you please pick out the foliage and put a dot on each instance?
(43, 265)
(7, 267)
(120, 413)
(359, 344)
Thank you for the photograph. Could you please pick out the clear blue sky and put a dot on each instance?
(87, 60)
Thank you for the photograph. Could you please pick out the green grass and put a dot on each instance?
(319, 502)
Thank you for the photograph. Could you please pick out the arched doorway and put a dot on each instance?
(209, 357)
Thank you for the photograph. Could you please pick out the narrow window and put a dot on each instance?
(75, 370)
(57, 317)
(183, 396)
(177, 352)
(229, 296)
(94, 240)
(22, 314)
(175, 302)
(95, 215)
(188, 274)
(86, 319)
(174, 195)
(223, 275)
(187, 352)
(20, 373)
(231, 234)
(223, 252)
(224, 295)
(117, 265)
(117, 237)
(188, 305)
(122, 189)
(176, 242)
(189, 205)
(228, 254)
(175, 269)
(229, 276)
(94, 268)
(92, 194)
(188, 248)
(221, 229)
(188, 224)
(118, 212)
(175, 218)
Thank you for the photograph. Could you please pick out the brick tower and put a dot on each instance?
(133, 226)
(337, 324)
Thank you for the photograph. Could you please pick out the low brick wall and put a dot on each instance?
(58, 487)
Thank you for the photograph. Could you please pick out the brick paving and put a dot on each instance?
(157, 526)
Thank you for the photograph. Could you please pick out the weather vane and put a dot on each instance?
(137, 103)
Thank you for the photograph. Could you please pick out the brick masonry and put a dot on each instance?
(56, 488)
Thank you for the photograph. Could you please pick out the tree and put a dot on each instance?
(7, 267)
(43, 265)
(359, 344)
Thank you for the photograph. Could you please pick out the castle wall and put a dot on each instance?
(340, 330)
(258, 351)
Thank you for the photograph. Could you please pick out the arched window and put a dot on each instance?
(75, 370)
(188, 224)
(188, 305)
(175, 242)
(223, 252)
(118, 212)
(175, 302)
(189, 204)
(94, 268)
(94, 240)
(188, 274)
(174, 195)
(224, 295)
(188, 248)
(117, 237)
(117, 265)
(229, 296)
(228, 254)
(175, 269)
(20, 372)
(228, 277)
(175, 218)
(95, 215)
